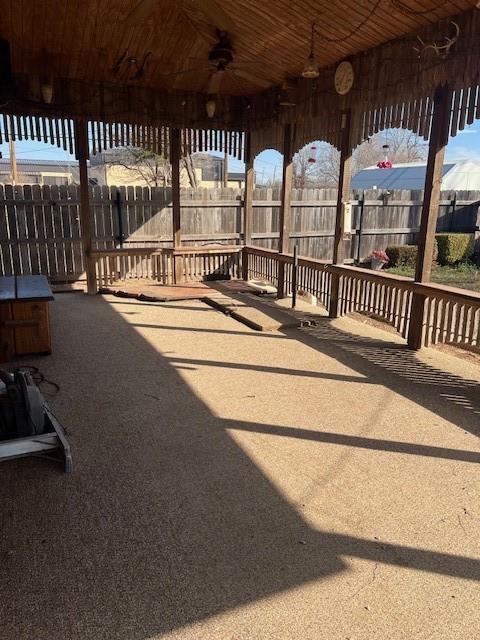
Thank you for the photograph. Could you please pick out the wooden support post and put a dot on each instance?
(175, 153)
(81, 145)
(343, 196)
(431, 198)
(286, 206)
(248, 194)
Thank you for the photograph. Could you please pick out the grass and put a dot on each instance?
(464, 276)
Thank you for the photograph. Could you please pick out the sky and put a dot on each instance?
(268, 164)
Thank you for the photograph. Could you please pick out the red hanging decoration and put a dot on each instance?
(385, 163)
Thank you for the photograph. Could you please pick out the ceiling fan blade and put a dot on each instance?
(216, 15)
(215, 81)
(185, 72)
(250, 77)
(140, 12)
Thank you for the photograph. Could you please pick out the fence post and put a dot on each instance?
(118, 206)
(361, 203)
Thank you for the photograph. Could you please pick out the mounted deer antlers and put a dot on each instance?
(441, 50)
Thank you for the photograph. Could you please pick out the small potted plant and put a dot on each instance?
(379, 259)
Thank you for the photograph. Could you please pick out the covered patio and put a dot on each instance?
(315, 481)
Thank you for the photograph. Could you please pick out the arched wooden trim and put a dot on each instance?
(55, 131)
(109, 135)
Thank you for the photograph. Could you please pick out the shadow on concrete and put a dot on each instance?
(165, 521)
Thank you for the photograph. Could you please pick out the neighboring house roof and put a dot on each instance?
(37, 166)
(457, 176)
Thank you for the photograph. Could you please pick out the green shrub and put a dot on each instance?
(405, 255)
(402, 255)
(454, 247)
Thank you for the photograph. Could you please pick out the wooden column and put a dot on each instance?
(286, 206)
(81, 145)
(431, 197)
(343, 196)
(248, 201)
(175, 153)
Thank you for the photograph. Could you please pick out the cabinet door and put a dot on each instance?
(7, 341)
(32, 328)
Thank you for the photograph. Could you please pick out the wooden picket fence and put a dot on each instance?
(40, 229)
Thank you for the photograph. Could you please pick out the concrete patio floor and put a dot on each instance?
(317, 483)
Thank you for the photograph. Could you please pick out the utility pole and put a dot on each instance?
(225, 169)
(13, 161)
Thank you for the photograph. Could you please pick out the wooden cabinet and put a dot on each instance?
(24, 321)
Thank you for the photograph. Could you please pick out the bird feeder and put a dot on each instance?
(385, 163)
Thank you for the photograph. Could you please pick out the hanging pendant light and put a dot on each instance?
(46, 90)
(211, 107)
(311, 70)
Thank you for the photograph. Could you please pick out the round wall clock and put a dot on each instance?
(344, 77)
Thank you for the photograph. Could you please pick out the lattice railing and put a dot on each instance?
(451, 315)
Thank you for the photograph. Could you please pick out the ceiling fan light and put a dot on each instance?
(211, 107)
(311, 70)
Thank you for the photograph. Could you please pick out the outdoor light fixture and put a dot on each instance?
(311, 70)
(285, 99)
(47, 92)
(211, 107)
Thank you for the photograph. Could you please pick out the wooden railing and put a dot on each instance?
(312, 276)
(451, 315)
(379, 295)
(166, 266)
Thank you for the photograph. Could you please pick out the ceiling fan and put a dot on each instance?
(221, 63)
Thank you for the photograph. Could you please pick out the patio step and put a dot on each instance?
(253, 313)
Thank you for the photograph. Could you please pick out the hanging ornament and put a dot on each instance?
(313, 150)
(385, 163)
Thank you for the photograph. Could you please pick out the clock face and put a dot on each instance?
(344, 77)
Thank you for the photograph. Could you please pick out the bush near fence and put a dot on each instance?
(405, 255)
(455, 247)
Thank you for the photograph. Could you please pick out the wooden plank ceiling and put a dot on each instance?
(86, 40)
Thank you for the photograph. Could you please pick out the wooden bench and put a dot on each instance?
(24, 321)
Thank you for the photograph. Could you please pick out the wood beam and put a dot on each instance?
(175, 153)
(343, 196)
(81, 145)
(442, 103)
(286, 205)
(248, 194)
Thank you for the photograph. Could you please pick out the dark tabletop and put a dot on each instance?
(29, 288)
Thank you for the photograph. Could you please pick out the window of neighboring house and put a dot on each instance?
(23, 178)
(58, 179)
(31, 178)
